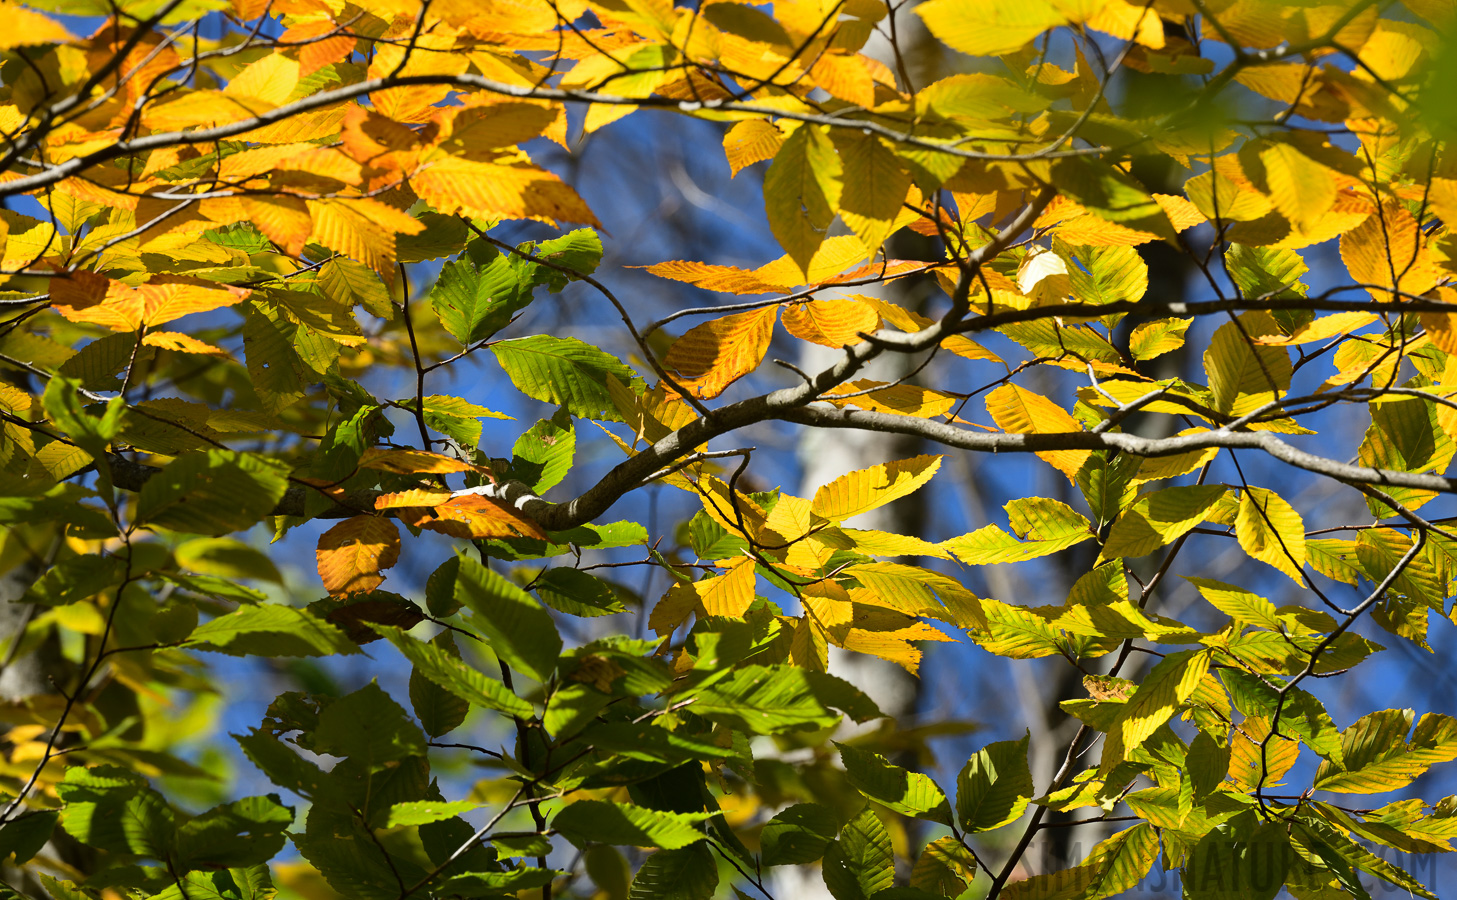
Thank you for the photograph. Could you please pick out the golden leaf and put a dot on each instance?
(711, 356)
(751, 141)
(832, 323)
(1017, 410)
(183, 343)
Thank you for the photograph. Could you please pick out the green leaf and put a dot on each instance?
(994, 786)
(802, 192)
(275, 371)
(908, 793)
(443, 236)
(245, 832)
(515, 626)
(687, 874)
(565, 371)
(474, 302)
(368, 727)
(860, 863)
(439, 710)
(1379, 758)
(571, 707)
(1239, 863)
(271, 630)
(604, 822)
(576, 593)
(543, 455)
(1159, 518)
(1301, 714)
(1406, 436)
(798, 835)
(437, 664)
(1265, 271)
(26, 834)
(226, 557)
(1114, 867)
(212, 493)
(423, 812)
(771, 699)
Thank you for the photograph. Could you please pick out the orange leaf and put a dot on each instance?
(473, 516)
(411, 462)
(283, 220)
(724, 279)
(1020, 411)
(1388, 250)
(833, 323)
(714, 355)
(88, 297)
(351, 554)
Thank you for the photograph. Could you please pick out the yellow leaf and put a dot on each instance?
(1128, 21)
(1171, 682)
(201, 109)
(351, 554)
(1158, 467)
(1158, 518)
(866, 489)
(724, 279)
(875, 186)
(831, 323)
(21, 27)
(411, 462)
(1243, 375)
(1017, 410)
(988, 27)
(416, 497)
(490, 190)
(1301, 188)
(183, 343)
(711, 356)
(1322, 329)
(1153, 339)
(361, 229)
(270, 80)
(802, 192)
(899, 399)
(1270, 530)
(729, 594)
(751, 141)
